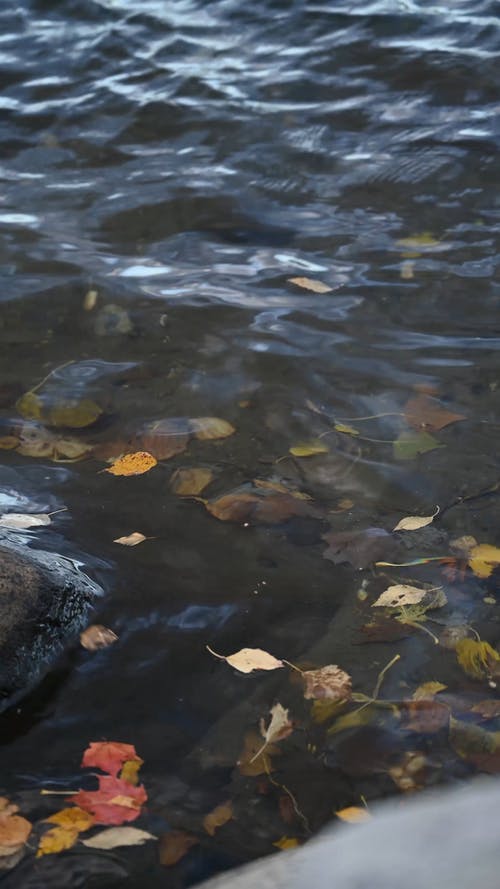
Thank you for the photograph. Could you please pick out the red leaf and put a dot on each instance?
(115, 802)
(108, 756)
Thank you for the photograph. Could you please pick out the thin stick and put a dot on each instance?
(381, 675)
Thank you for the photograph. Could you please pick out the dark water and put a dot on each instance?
(184, 160)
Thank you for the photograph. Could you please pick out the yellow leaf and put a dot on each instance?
(483, 559)
(89, 300)
(57, 840)
(29, 406)
(8, 442)
(476, 658)
(219, 816)
(323, 710)
(132, 539)
(417, 242)
(427, 690)
(248, 659)
(311, 284)
(286, 843)
(353, 814)
(414, 522)
(72, 819)
(132, 464)
(130, 771)
(73, 413)
(208, 428)
(309, 449)
(348, 430)
(188, 482)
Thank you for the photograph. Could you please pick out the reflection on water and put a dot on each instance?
(183, 161)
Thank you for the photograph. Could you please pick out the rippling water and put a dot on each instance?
(184, 160)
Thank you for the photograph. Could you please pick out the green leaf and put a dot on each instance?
(410, 444)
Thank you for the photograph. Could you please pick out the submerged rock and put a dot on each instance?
(44, 601)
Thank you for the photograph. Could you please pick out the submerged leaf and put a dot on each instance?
(414, 522)
(285, 843)
(188, 482)
(255, 759)
(209, 428)
(347, 430)
(327, 683)
(409, 445)
(309, 448)
(248, 659)
(427, 690)
(174, 845)
(476, 745)
(489, 709)
(483, 559)
(476, 658)
(119, 836)
(71, 412)
(360, 548)
(425, 716)
(218, 817)
(311, 284)
(424, 412)
(132, 464)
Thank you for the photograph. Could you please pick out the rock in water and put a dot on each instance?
(44, 601)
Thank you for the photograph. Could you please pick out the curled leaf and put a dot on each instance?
(132, 464)
(248, 659)
(97, 636)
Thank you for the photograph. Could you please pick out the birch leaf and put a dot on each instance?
(119, 836)
(131, 539)
(311, 284)
(414, 522)
(248, 659)
(483, 559)
(188, 482)
(132, 464)
(210, 428)
(401, 594)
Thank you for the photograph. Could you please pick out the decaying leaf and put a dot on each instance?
(452, 635)
(463, 546)
(414, 522)
(57, 840)
(36, 441)
(360, 548)
(21, 520)
(311, 284)
(346, 429)
(409, 445)
(131, 539)
(425, 716)
(353, 814)
(279, 727)
(489, 709)
(401, 595)
(119, 836)
(327, 683)
(285, 843)
(188, 482)
(424, 412)
(259, 505)
(248, 659)
(114, 802)
(132, 464)
(476, 658)
(476, 745)
(309, 448)
(253, 759)
(174, 845)
(427, 690)
(72, 818)
(97, 636)
(109, 756)
(383, 630)
(483, 559)
(209, 428)
(217, 817)
(70, 412)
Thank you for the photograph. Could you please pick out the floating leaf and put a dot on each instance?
(311, 284)
(409, 445)
(35, 441)
(218, 817)
(476, 658)
(360, 548)
(483, 559)
(115, 801)
(424, 412)
(189, 482)
(414, 522)
(209, 428)
(174, 845)
(347, 430)
(119, 836)
(262, 505)
(309, 448)
(427, 690)
(20, 520)
(280, 726)
(132, 464)
(163, 439)
(109, 756)
(330, 683)
(402, 594)
(97, 636)
(452, 635)
(131, 539)
(57, 840)
(8, 442)
(285, 843)
(72, 819)
(248, 659)
(353, 814)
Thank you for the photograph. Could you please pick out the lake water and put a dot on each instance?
(166, 168)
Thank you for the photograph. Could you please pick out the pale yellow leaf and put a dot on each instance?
(119, 836)
(400, 594)
(353, 814)
(208, 428)
(427, 690)
(347, 430)
(309, 448)
(311, 284)
(20, 520)
(414, 522)
(188, 482)
(97, 636)
(132, 539)
(280, 726)
(483, 559)
(248, 659)
(90, 300)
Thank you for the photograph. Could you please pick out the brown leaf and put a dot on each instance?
(328, 682)
(174, 845)
(489, 709)
(287, 809)
(236, 507)
(188, 482)
(253, 759)
(425, 716)
(218, 817)
(248, 659)
(311, 284)
(14, 831)
(384, 631)
(131, 539)
(360, 548)
(476, 745)
(97, 636)
(424, 412)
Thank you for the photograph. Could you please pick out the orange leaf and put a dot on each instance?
(14, 830)
(132, 464)
(286, 843)
(97, 636)
(424, 412)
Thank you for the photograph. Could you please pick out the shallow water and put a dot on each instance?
(184, 160)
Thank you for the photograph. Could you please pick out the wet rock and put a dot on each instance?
(44, 601)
